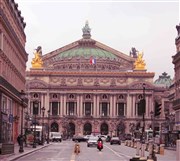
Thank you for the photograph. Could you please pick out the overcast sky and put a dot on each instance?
(149, 26)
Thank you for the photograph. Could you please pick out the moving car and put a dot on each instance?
(55, 136)
(79, 138)
(115, 140)
(92, 141)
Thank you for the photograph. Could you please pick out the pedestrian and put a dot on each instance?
(19, 139)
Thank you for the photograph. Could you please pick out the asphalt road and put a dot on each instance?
(64, 152)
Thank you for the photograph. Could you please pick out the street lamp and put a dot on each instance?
(35, 112)
(42, 136)
(48, 127)
(22, 96)
(143, 113)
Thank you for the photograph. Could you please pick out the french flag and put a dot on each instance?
(92, 61)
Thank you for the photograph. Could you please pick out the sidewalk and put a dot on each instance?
(16, 154)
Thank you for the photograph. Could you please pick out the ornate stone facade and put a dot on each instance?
(13, 58)
(176, 62)
(86, 98)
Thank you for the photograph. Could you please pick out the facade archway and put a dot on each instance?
(121, 129)
(71, 130)
(104, 129)
(54, 127)
(87, 129)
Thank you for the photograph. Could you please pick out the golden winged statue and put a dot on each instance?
(37, 61)
(139, 63)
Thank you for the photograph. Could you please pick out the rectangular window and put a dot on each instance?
(120, 109)
(104, 109)
(54, 108)
(35, 108)
(87, 108)
(71, 108)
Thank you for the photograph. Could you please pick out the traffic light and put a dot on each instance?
(142, 104)
(157, 109)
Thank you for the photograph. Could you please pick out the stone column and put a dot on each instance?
(61, 105)
(133, 109)
(94, 106)
(81, 105)
(129, 105)
(47, 101)
(64, 104)
(114, 112)
(97, 106)
(111, 106)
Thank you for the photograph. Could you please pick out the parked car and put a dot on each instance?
(92, 141)
(115, 140)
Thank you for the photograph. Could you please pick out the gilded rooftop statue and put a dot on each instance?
(139, 63)
(37, 61)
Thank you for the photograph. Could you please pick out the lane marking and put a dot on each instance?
(118, 153)
(72, 157)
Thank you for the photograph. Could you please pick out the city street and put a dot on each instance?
(64, 152)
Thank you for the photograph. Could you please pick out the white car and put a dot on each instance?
(92, 141)
(55, 136)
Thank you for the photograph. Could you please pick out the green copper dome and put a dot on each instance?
(86, 52)
(163, 80)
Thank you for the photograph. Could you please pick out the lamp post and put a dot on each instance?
(22, 95)
(42, 136)
(48, 127)
(35, 112)
(143, 106)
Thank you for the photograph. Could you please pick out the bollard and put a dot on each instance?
(161, 149)
(77, 149)
(142, 158)
(137, 156)
(177, 150)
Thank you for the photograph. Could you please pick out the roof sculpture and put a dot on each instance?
(139, 63)
(37, 61)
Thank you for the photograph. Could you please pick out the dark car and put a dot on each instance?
(79, 138)
(115, 140)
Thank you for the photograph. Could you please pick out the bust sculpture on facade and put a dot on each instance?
(139, 63)
(37, 61)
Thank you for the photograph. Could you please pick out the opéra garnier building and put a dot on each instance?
(89, 87)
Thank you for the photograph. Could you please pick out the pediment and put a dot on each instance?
(36, 84)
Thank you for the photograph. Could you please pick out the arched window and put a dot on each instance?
(121, 97)
(88, 96)
(54, 95)
(71, 96)
(35, 95)
(104, 96)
